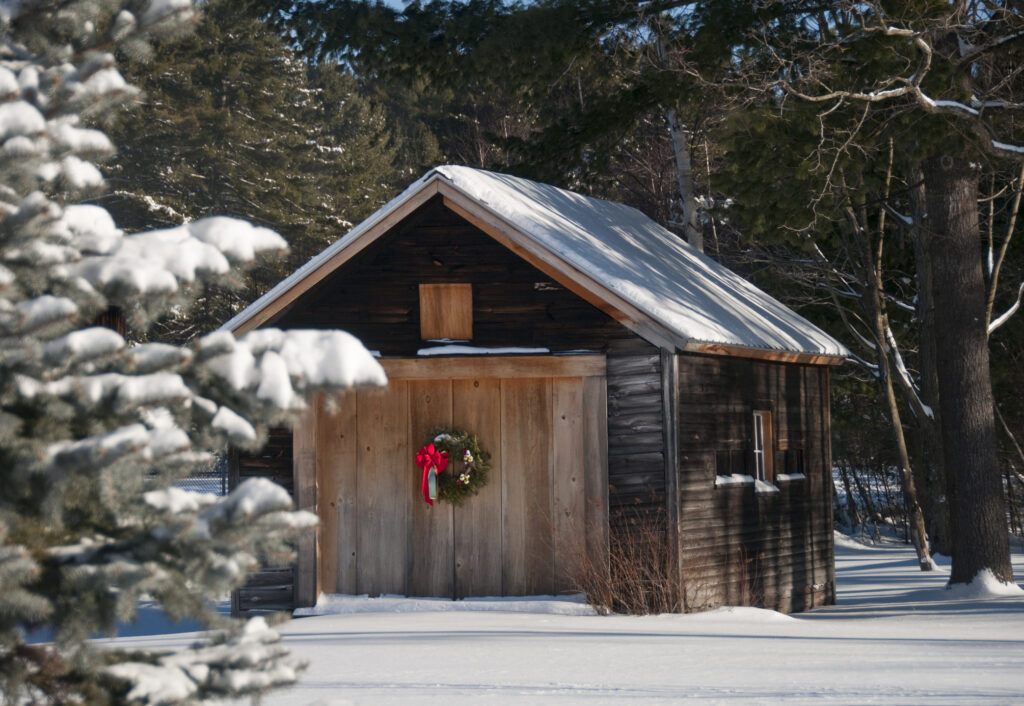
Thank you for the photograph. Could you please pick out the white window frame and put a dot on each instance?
(763, 445)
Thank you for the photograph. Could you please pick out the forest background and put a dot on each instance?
(821, 150)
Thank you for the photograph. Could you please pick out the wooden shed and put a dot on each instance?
(611, 371)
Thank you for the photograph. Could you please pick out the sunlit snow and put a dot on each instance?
(896, 636)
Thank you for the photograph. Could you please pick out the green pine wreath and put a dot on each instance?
(468, 464)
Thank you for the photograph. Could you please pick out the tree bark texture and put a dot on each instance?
(929, 469)
(979, 538)
(873, 302)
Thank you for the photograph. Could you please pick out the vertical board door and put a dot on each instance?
(544, 507)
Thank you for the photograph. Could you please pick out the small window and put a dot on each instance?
(446, 311)
(764, 455)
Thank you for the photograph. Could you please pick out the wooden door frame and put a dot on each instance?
(591, 367)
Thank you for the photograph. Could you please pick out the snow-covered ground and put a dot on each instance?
(895, 637)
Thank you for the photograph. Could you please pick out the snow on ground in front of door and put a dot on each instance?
(341, 604)
(896, 636)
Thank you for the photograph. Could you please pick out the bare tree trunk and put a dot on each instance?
(684, 161)
(929, 468)
(980, 538)
(873, 300)
(869, 504)
(684, 179)
(852, 516)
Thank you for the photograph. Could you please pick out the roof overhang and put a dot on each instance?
(435, 184)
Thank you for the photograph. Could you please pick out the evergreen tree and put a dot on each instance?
(93, 432)
(588, 95)
(234, 123)
(932, 91)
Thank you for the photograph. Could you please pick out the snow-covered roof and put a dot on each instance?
(661, 286)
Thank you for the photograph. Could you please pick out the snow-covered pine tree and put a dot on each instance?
(234, 121)
(93, 431)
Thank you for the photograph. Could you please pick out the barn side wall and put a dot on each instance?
(739, 546)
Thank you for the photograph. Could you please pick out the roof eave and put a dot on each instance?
(332, 257)
(777, 356)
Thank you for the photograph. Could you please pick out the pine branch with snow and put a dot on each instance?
(93, 431)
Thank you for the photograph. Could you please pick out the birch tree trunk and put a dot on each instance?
(684, 179)
(979, 539)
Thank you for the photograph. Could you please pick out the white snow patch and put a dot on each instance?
(734, 479)
(341, 604)
(275, 385)
(91, 228)
(176, 500)
(155, 684)
(9, 87)
(154, 356)
(44, 310)
(83, 344)
(983, 585)
(234, 426)
(742, 613)
(761, 486)
(135, 390)
(455, 349)
(319, 358)
(160, 9)
(238, 240)
(78, 139)
(255, 496)
(789, 477)
(20, 118)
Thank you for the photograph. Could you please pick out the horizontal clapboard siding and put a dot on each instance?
(375, 296)
(636, 439)
(736, 545)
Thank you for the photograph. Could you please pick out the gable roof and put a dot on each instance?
(610, 254)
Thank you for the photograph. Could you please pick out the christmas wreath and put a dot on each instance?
(453, 464)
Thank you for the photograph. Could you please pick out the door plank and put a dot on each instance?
(383, 490)
(430, 406)
(595, 469)
(568, 480)
(476, 407)
(336, 493)
(304, 469)
(526, 486)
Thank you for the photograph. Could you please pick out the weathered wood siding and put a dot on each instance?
(272, 588)
(522, 534)
(733, 545)
(375, 296)
(636, 424)
(738, 546)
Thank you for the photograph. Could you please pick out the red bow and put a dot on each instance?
(430, 457)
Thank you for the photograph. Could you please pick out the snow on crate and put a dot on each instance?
(340, 604)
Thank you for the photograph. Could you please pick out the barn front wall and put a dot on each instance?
(523, 534)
